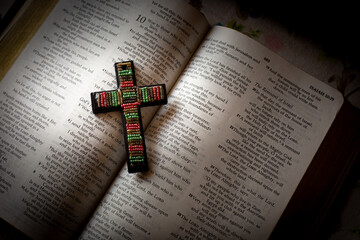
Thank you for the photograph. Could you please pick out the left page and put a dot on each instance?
(56, 157)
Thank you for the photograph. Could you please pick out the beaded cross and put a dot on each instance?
(128, 99)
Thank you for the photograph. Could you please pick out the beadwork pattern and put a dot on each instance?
(128, 98)
(116, 98)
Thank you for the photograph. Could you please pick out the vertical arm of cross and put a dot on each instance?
(129, 98)
(134, 138)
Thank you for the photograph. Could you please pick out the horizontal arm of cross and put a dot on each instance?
(109, 101)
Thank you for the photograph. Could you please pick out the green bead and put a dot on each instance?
(136, 158)
(125, 72)
(145, 94)
(131, 115)
(134, 137)
(114, 99)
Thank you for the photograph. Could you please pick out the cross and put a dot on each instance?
(128, 98)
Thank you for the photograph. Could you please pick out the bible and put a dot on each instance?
(230, 156)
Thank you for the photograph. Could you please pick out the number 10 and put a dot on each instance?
(141, 19)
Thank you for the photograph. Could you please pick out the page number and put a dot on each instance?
(141, 19)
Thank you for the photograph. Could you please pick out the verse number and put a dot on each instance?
(141, 19)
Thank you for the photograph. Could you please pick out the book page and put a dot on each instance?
(227, 151)
(57, 158)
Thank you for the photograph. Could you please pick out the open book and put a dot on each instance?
(225, 154)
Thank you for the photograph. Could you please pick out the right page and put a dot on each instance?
(229, 149)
